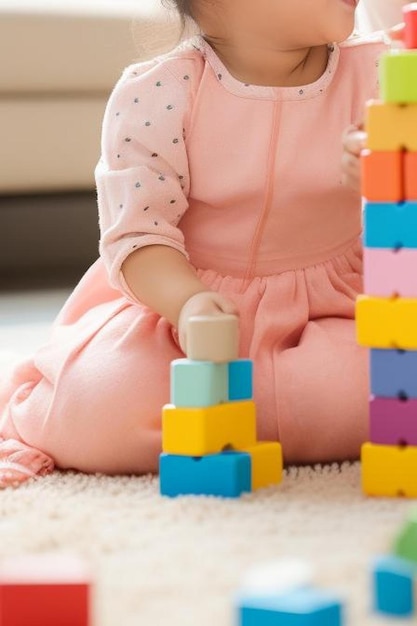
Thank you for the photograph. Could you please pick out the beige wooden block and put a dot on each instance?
(213, 338)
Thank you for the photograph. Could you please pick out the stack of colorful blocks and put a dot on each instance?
(395, 575)
(387, 314)
(209, 429)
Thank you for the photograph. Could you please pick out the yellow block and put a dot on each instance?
(267, 464)
(200, 431)
(386, 322)
(389, 470)
(391, 127)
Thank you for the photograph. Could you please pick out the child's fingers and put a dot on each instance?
(396, 33)
(354, 141)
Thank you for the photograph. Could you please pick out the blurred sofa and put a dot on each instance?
(59, 62)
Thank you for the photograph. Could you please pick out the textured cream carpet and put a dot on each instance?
(162, 562)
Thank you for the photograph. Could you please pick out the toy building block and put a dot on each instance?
(410, 175)
(200, 431)
(277, 577)
(393, 422)
(386, 322)
(226, 475)
(44, 590)
(391, 127)
(390, 272)
(266, 462)
(389, 470)
(398, 76)
(198, 383)
(382, 176)
(240, 380)
(393, 586)
(301, 607)
(405, 544)
(410, 20)
(213, 338)
(390, 225)
(393, 373)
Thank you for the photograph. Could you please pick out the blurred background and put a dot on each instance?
(59, 60)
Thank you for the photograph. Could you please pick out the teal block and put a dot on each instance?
(398, 77)
(198, 383)
(390, 225)
(393, 586)
(225, 475)
(301, 607)
(240, 380)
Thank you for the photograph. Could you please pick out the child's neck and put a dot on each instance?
(274, 68)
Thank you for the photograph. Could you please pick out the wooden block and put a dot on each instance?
(391, 127)
(386, 322)
(405, 543)
(198, 383)
(301, 607)
(200, 431)
(398, 76)
(44, 590)
(389, 225)
(410, 20)
(393, 422)
(410, 175)
(382, 176)
(393, 373)
(393, 586)
(226, 475)
(389, 273)
(267, 464)
(213, 338)
(240, 380)
(389, 470)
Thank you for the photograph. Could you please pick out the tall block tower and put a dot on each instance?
(387, 313)
(209, 428)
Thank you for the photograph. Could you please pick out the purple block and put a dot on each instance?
(393, 421)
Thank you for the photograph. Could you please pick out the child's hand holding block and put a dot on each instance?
(213, 338)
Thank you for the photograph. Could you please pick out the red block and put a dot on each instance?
(47, 590)
(410, 175)
(410, 19)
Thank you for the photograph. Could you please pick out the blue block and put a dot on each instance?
(240, 380)
(390, 225)
(198, 383)
(301, 607)
(393, 373)
(393, 586)
(227, 475)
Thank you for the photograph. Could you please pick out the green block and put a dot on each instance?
(398, 76)
(199, 383)
(405, 544)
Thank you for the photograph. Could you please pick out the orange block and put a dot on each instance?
(382, 176)
(410, 175)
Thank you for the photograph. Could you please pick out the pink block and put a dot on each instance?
(389, 272)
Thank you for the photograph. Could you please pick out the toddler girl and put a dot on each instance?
(220, 189)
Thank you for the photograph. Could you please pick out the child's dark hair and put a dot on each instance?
(182, 6)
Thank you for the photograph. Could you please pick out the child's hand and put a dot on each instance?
(353, 143)
(203, 303)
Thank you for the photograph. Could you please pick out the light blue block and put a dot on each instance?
(390, 225)
(393, 586)
(198, 383)
(393, 373)
(226, 475)
(241, 380)
(301, 607)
